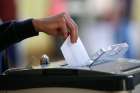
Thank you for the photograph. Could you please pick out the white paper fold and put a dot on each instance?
(75, 54)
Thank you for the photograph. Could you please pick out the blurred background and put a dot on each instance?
(101, 23)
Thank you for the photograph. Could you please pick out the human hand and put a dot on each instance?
(58, 25)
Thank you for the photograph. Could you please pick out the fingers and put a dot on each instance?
(60, 24)
(72, 27)
(64, 31)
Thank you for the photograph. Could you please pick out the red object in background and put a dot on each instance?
(58, 6)
(7, 10)
(7, 13)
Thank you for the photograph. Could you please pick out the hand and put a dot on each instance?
(58, 25)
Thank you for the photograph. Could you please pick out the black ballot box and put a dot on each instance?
(66, 79)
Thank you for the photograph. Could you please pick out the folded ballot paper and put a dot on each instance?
(76, 54)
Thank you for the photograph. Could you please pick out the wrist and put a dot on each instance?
(35, 23)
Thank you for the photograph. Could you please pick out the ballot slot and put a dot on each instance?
(77, 57)
(76, 54)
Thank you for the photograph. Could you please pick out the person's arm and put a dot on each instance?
(15, 31)
(58, 25)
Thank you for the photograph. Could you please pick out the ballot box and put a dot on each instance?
(65, 79)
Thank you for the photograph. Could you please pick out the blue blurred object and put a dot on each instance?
(122, 35)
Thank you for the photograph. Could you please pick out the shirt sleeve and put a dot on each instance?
(15, 31)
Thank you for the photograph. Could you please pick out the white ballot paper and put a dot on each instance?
(75, 54)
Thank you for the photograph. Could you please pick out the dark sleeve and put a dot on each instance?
(13, 32)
